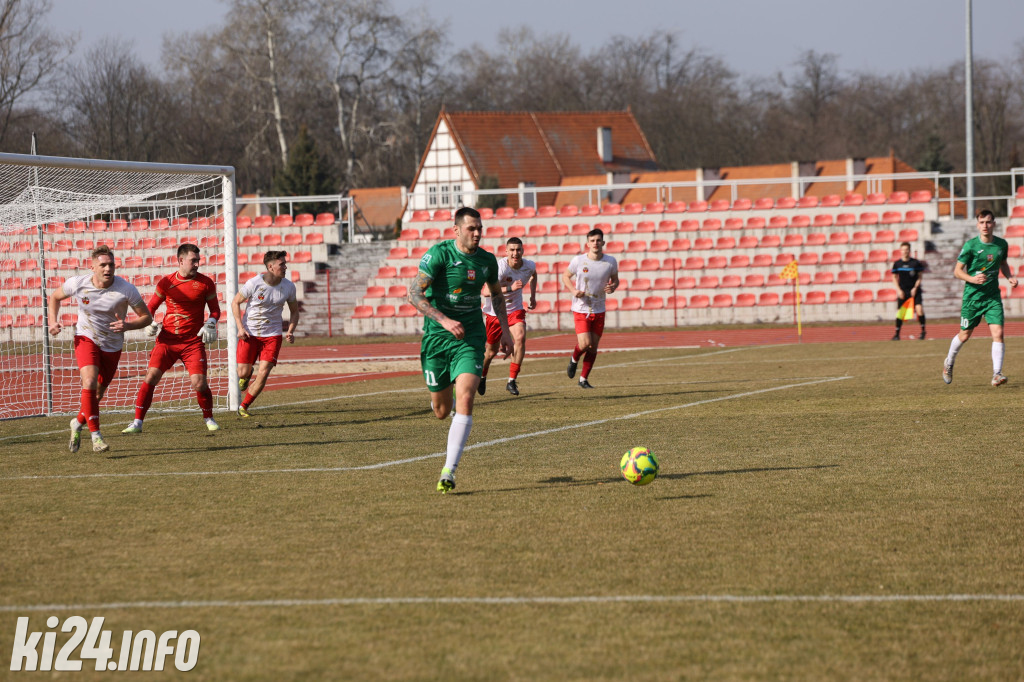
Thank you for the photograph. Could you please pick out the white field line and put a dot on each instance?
(530, 601)
(409, 460)
(395, 391)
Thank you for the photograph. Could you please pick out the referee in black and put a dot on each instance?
(906, 275)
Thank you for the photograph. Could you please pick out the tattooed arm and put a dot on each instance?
(418, 298)
(498, 301)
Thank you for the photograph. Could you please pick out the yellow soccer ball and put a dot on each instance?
(639, 466)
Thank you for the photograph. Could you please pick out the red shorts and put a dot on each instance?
(494, 327)
(263, 348)
(593, 323)
(88, 353)
(170, 348)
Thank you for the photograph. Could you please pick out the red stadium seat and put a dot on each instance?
(558, 230)
(921, 196)
(748, 242)
(885, 237)
(547, 212)
(846, 277)
(731, 281)
(654, 207)
(899, 197)
(870, 276)
(767, 299)
(863, 296)
(742, 205)
(785, 202)
(711, 224)
(739, 261)
(627, 265)
(831, 258)
(697, 206)
(823, 279)
(816, 239)
(891, 217)
(689, 226)
(793, 240)
(718, 262)
(681, 244)
(764, 203)
(778, 222)
(755, 223)
(868, 219)
(875, 199)
(807, 202)
(822, 220)
(815, 298)
(800, 221)
(699, 301)
(590, 210)
(568, 211)
(887, 295)
(830, 201)
(745, 300)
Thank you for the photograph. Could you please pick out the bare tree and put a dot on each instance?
(266, 49)
(361, 39)
(115, 108)
(30, 54)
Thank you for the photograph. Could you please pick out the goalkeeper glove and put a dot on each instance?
(153, 329)
(209, 332)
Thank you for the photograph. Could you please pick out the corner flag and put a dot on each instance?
(906, 311)
(789, 272)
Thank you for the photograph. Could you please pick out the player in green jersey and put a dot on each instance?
(980, 262)
(447, 291)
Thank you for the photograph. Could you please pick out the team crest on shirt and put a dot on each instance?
(471, 275)
(991, 257)
(586, 269)
(261, 294)
(196, 285)
(85, 300)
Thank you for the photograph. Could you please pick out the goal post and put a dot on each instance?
(53, 212)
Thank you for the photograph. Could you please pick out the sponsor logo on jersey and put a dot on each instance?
(457, 291)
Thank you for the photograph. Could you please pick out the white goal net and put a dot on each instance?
(53, 213)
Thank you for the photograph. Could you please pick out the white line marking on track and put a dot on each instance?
(410, 460)
(538, 601)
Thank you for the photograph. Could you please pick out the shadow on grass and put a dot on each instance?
(149, 452)
(571, 482)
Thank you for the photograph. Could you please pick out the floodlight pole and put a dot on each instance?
(969, 108)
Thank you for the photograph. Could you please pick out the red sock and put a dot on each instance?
(576, 353)
(143, 400)
(483, 374)
(588, 363)
(247, 400)
(513, 370)
(205, 400)
(91, 408)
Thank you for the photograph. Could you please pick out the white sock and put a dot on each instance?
(75, 424)
(96, 435)
(458, 434)
(954, 348)
(210, 421)
(137, 423)
(998, 351)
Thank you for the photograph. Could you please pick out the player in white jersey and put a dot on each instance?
(590, 276)
(259, 329)
(103, 302)
(514, 274)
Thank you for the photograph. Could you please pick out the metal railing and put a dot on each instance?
(343, 205)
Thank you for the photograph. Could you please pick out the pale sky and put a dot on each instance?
(753, 37)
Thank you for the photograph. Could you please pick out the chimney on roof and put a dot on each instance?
(604, 144)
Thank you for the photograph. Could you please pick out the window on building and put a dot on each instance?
(445, 198)
(432, 196)
(457, 195)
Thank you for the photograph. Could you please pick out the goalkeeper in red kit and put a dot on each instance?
(184, 335)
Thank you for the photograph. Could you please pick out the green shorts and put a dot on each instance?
(971, 312)
(443, 358)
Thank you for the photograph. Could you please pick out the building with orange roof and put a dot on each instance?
(473, 150)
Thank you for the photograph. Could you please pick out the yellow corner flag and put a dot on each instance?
(789, 272)
(906, 311)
